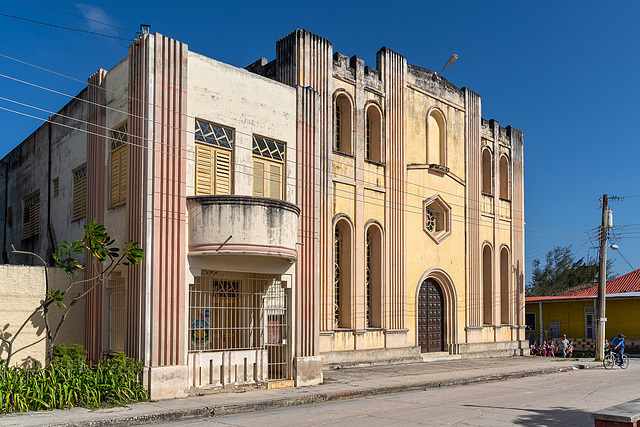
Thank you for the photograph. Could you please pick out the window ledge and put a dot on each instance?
(373, 162)
(438, 168)
(432, 167)
(342, 153)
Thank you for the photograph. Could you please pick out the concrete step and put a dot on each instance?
(442, 355)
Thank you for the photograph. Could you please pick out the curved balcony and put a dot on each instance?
(242, 225)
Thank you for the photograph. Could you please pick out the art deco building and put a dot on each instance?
(303, 212)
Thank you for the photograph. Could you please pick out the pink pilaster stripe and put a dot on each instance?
(95, 206)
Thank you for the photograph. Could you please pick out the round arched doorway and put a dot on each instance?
(431, 309)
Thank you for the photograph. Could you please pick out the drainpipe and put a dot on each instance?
(5, 256)
(541, 330)
(51, 243)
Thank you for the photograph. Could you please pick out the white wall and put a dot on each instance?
(22, 289)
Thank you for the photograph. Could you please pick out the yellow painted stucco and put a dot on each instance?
(623, 316)
(423, 253)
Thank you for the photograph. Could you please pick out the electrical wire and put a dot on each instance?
(192, 117)
(64, 28)
(192, 151)
(489, 221)
(187, 150)
(408, 208)
(79, 16)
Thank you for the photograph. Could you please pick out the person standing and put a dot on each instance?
(563, 345)
(617, 344)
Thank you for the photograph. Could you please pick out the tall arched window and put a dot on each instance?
(504, 178)
(343, 118)
(505, 288)
(486, 171)
(373, 134)
(342, 274)
(487, 285)
(373, 277)
(436, 138)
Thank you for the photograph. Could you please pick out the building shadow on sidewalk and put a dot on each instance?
(555, 416)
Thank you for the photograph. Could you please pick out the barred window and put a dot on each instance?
(119, 139)
(214, 149)
(31, 215)
(79, 192)
(268, 168)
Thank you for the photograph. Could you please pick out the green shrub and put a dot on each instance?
(71, 355)
(65, 385)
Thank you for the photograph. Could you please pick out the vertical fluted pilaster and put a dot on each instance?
(304, 59)
(308, 199)
(96, 134)
(393, 68)
(473, 209)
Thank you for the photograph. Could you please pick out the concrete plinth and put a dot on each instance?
(624, 414)
(492, 349)
(308, 370)
(380, 356)
(166, 382)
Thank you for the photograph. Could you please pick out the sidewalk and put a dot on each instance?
(341, 384)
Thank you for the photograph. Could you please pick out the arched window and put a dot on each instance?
(373, 132)
(487, 285)
(504, 178)
(342, 274)
(486, 171)
(343, 118)
(373, 277)
(505, 289)
(436, 138)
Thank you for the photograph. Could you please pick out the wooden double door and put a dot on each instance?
(430, 317)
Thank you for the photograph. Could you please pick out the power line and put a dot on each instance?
(65, 28)
(579, 239)
(78, 16)
(408, 208)
(192, 117)
(188, 151)
(236, 146)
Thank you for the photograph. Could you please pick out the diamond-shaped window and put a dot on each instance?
(437, 218)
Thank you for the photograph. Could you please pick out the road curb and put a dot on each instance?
(207, 411)
(376, 391)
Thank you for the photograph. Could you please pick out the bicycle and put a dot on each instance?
(610, 360)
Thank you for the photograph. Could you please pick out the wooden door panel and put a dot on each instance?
(430, 317)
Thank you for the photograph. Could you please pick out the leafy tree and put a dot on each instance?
(561, 271)
(103, 252)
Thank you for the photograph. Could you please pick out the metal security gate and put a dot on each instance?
(238, 329)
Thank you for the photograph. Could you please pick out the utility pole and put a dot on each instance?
(602, 284)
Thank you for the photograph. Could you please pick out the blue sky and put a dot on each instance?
(564, 72)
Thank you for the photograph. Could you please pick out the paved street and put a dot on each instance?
(561, 399)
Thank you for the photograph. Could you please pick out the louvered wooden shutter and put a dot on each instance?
(258, 178)
(204, 177)
(223, 172)
(79, 198)
(115, 177)
(122, 198)
(275, 181)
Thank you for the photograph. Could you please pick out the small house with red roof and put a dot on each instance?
(575, 313)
